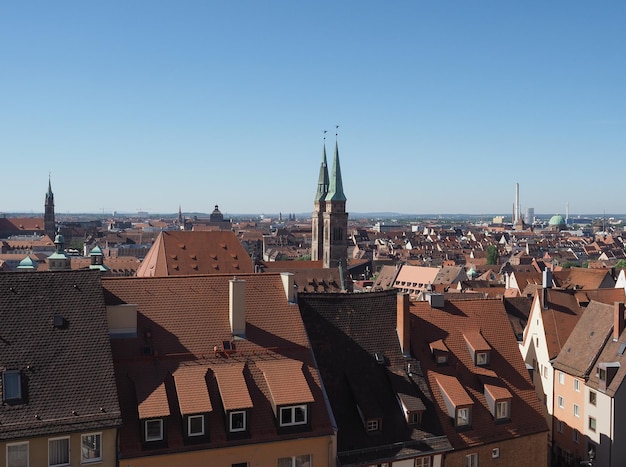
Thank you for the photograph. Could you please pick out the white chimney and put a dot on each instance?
(289, 285)
(237, 304)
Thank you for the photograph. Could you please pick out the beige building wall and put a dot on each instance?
(38, 449)
(322, 450)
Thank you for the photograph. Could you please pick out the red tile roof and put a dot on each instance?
(233, 387)
(184, 321)
(192, 400)
(506, 369)
(286, 381)
(178, 253)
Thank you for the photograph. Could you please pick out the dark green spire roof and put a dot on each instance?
(322, 182)
(335, 188)
(49, 195)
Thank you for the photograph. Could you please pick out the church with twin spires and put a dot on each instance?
(330, 219)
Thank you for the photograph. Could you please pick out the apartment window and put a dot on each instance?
(462, 417)
(422, 462)
(11, 385)
(154, 430)
(59, 451)
(295, 461)
(502, 410)
(239, 464)
(592, 397)
(195, 425)
(602, 374)
(577, 385)
(592, 424)
(561, 377)
(495, 453)
(238, 421)
(561, 402)
(414, 418)
(294, 415)
(576, 410)
(17, 455)
(559, 426)
(91, 447)
(575, 436)
(372, 425)
(545, 371)
(471, 460)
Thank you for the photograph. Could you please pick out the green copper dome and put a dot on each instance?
(27, 263)
(557, 220)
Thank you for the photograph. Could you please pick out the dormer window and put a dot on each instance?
(237, 421)
(463, 416)
(457, 401)
(482, 358)
(153, 430)
(498, 400)
(478, 348)
(293, 415)
(502, 410)
(373, 425)
(439, 351)
(11, 386)
(195, 425)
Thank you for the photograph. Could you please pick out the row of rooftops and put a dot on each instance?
(179, 365)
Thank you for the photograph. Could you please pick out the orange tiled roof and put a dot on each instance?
(286, 381)
(191, 399)
(233, 388)
(178, 253)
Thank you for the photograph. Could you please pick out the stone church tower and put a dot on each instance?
(330, 219)
(49, 224)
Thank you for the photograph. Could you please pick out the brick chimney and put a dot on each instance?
(403, 318)
(618, 320)
(237, 306)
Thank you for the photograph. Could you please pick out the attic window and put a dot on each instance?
(11, 386)
(373, 425)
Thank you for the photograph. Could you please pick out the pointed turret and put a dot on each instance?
(322, 182)
(335, 188)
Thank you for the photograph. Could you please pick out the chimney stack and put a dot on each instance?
(546, 284)
(237, 306)
(289, 285)
(618, 320)
(403, 323)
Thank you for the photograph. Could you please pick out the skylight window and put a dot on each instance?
(11, 385)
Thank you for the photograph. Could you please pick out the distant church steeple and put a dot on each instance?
(48, 217)
(330, 219)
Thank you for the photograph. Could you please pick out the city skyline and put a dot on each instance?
(442, 108)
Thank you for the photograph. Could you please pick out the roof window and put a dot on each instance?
(11, 386)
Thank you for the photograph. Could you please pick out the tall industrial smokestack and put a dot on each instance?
(517, 210)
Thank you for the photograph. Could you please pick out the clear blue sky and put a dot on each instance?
(442, 105)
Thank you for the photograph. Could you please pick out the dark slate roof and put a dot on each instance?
(64, 369)
(346, 330)
(518, 310)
